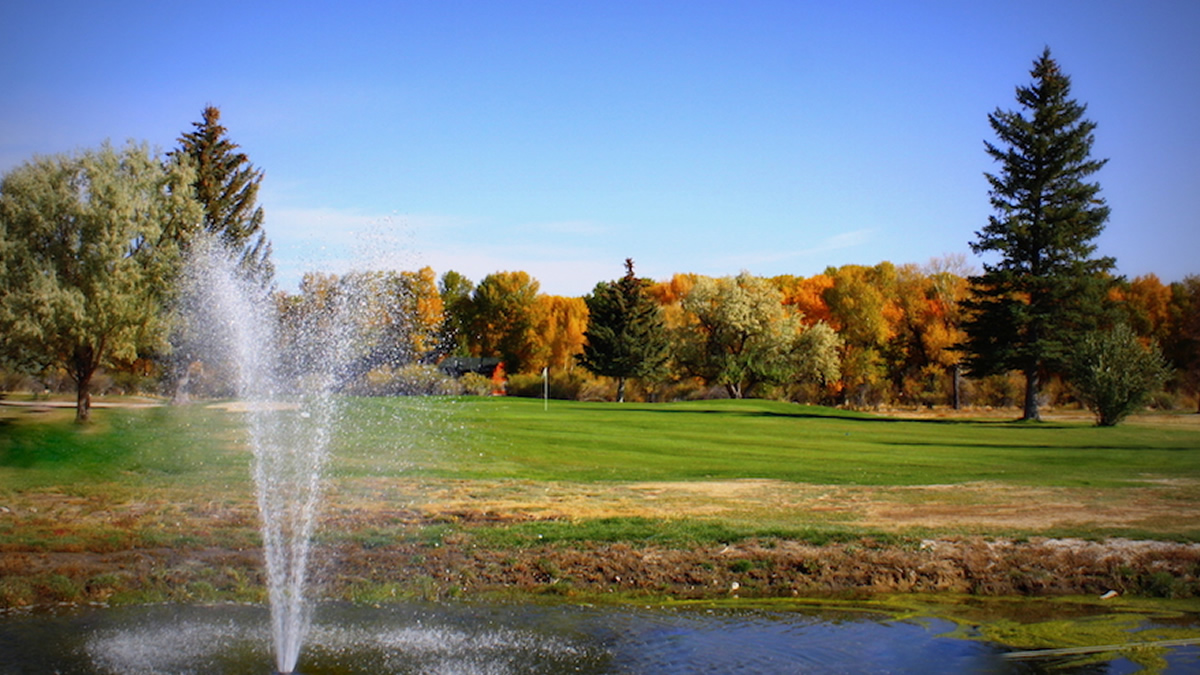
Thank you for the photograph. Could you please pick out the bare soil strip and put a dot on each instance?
(60, 547)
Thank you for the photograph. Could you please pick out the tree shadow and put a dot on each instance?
(853, 416)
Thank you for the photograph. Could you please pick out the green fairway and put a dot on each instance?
(510, 438)
(517, 438)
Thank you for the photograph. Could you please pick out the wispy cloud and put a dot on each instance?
(835, 242)
(337, 241)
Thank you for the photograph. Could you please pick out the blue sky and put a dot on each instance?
(560, 138)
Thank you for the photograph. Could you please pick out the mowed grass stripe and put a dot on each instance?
(761, 439)
(509, 438)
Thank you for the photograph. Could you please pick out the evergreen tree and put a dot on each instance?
(1046, 290)
(227, 185)
(625, 334)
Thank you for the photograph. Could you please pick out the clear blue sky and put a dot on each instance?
(560, 138)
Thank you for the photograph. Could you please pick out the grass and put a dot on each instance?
(508, 476)
(587, 442)
(592, 468)
(504, 439)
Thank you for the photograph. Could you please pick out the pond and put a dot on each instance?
(470, 638)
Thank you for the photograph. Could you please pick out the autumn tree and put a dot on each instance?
(500, 321)
(304, 318)
(1046, 289)
(1146, 302)
(806, 295)
(226, 184)
(88, 243)
(626, 336)
(1183, 346)
(922, 353)
(863, 310)
(949, 289)
(559, 324)
(397, 315)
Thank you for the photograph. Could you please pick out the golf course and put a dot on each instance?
(440, 497)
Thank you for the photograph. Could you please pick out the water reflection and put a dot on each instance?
(510, 639)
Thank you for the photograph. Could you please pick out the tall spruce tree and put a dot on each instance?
(625, 335)
(227, 185)
(1046, 291)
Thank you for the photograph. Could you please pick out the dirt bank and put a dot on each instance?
(758, 568)
(378, 541)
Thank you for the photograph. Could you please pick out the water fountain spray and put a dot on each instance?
(291, 410)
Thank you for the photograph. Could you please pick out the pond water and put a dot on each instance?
(502, 639)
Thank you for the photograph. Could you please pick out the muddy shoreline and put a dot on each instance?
(750, 569)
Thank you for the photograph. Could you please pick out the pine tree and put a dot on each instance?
(1046, 290)
(227, 185)
(625, 333)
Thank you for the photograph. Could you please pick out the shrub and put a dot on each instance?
(1113, 373)
(563, 385)
(474, 384)
(999, 391)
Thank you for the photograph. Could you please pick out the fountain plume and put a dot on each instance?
(291, 409)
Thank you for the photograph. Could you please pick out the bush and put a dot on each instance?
(998, 391)
(474, 384)
(1165, 401)
(410, 380)
(563, 386)
(1113, 373)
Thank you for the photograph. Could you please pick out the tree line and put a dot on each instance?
(91, 246)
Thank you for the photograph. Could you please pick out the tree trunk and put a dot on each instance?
(958, 386)
(1032, 414)
(83, 366)
(620, 390)
(83, 399)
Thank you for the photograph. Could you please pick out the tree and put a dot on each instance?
(226, 185)
(89, 243)
(455, 290)
(1184, 344)
(1046, 289)
(626, 336)
(740, 335)
(559, 325)
(1114, 373)
(863, 309)
(396, 317)
(501, 318)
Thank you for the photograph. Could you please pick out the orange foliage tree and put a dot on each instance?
(864, 312)
(501, 319)
(558, 326)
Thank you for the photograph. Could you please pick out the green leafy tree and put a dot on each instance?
(738, 334)
(1114, 374)
(626, 336)
(227, 186)
(89, 243)
(455, 290)
(1046, 289)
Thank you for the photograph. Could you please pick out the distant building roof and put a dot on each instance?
(457, 366)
